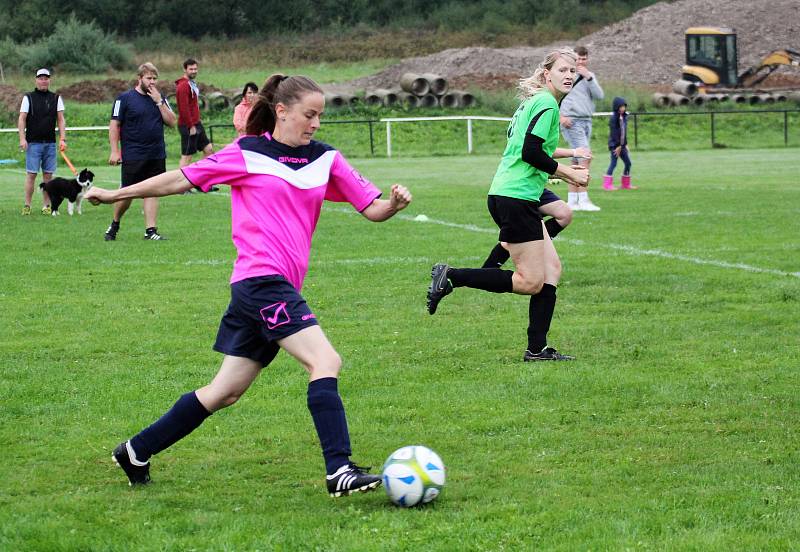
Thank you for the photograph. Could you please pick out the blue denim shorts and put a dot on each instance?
(41, 156)
(262, 311)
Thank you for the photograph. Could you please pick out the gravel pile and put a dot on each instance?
(646, 48)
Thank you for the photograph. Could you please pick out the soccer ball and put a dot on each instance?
(413, 475)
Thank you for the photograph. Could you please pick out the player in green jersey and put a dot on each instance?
(528, 161)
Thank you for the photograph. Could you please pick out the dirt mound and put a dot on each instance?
(107, 90)
(94, 91)
(646, 48)
(10, 98)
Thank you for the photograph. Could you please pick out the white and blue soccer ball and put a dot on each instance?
(413, 475)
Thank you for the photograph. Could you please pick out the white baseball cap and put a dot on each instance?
(43, 72)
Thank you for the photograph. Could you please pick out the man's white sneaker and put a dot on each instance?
(588, 206)
(575, 206)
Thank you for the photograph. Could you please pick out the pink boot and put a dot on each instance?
(608, 183)
(626, 183)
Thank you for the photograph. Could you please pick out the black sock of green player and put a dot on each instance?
(487, 279)
(553, 227)
(540, 313)
(496, 258)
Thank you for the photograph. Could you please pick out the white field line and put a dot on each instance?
(628, 249)
(369, 261)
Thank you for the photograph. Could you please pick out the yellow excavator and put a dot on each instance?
(712, 62)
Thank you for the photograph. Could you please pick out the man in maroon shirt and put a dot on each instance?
(193, 135)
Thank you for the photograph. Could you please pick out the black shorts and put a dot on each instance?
(548, 196)
(192, 143)
(519, 220)
(262, 311)
(134, 172)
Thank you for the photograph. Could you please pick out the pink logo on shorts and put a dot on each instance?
(308, 316)
(275, 315)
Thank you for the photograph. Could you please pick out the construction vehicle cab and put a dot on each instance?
(711, 56)
(712, 60)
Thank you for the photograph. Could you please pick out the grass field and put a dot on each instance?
(676, 428)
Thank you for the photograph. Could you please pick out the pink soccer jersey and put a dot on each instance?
(276, 197)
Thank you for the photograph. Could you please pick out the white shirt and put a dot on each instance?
(25, 107)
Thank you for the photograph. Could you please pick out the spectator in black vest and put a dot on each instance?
(39, 113)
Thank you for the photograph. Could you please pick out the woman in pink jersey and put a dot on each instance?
(242, 111)
(278, 178)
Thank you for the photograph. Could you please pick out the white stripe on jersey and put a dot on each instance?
(315, 174)
(116, 108)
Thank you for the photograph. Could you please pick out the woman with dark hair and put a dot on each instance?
(279, 177)
(242, 111)
(514, 199)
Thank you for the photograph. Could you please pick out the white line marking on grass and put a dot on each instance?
(369, 261)
(630, 250)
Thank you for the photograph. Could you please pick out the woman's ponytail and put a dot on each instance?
(277, 89)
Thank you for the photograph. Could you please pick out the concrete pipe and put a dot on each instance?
(794, 96)
(761, 98)
(414, 84)
(388, 97)
(335, 101)
(236, 99)
(677, 99)
(701, 99)
(452, 99)
(723, 97)
(218, 101)
(467, 99)
(660, 100)
(372, 99)
(351, 100)
(407, 100)
(780, 96)
(202, 102)
(738, 98)
(438, 84)
(428, 100)
(684, 87)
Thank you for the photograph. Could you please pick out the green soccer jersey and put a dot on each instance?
(538, 115)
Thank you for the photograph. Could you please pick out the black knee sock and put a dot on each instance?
(496, 258)
(487, 279)
(185, 416)
(327, 410)
(553, 227)
(540, 313)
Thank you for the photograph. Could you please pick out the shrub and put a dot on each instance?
(78, 47)
(10, 54)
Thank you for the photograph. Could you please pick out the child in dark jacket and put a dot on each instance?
(618, 146)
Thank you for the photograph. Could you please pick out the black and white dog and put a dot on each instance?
(71, 189)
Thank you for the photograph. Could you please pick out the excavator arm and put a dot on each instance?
(768, 65)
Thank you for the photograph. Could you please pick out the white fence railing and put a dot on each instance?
(467, 118)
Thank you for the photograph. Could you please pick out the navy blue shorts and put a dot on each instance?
(548, 196)
(262, 311)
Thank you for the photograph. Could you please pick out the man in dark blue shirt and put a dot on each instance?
(137, 124)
